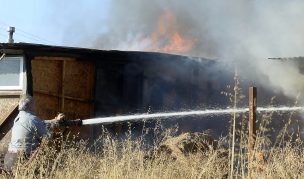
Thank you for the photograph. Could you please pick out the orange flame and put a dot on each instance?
(166, 38)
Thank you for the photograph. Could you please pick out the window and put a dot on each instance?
(11, 73)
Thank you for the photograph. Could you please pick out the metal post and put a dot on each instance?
(10, 31)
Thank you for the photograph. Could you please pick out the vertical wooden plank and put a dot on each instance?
(63, 87)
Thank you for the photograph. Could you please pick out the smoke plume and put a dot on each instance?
(237, 32)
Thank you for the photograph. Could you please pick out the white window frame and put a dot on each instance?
(21, 75)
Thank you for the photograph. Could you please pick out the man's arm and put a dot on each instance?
(42, 128)
(45, 128)
(56, 122)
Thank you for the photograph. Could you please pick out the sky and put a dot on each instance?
(53, 21)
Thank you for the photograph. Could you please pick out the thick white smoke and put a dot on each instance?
(238, 32)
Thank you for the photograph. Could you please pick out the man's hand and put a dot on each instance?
(57, 121)
(60, 117)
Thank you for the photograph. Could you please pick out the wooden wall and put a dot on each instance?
(64, 85)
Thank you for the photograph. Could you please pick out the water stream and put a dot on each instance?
(207, 112)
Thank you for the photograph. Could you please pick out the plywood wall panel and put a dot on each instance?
(78, 79)
(47, 106)
(77, 109)
(7, 105)
(47, 75)
(64, 85)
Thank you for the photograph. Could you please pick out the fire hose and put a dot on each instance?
(70, 123)
(139, 117)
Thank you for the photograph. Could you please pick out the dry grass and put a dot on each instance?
(124, 159)
(127, 159)
(130, 159)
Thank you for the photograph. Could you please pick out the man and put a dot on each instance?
(28, 131)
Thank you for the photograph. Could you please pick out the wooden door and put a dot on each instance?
(64, 85)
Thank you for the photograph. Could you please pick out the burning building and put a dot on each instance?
(86, 83)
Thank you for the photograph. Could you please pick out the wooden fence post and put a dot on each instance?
(252, 117)
(252, 129)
